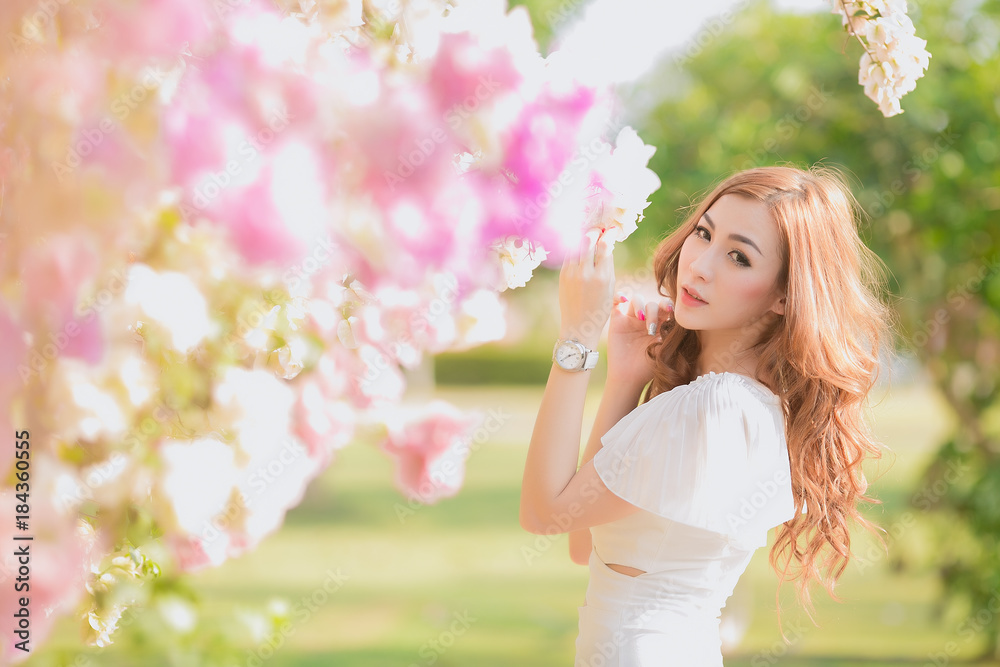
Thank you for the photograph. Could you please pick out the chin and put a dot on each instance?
(684, 321)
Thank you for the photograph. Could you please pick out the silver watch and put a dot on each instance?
(572, 355)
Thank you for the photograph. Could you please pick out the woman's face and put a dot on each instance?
(728, 268)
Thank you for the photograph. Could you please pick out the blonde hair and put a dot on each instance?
(821, 357)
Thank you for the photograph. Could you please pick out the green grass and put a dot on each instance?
(408, 576)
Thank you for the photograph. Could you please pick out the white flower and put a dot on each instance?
(171, 300)
(87, 410)
(628, 182)
(481, 319)
(227, 497)
(518, 259)
(894, 56)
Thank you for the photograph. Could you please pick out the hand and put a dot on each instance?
(586, 288)
(628, 337)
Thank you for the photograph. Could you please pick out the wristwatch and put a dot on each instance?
(572, 355)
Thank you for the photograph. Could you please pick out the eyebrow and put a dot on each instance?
(737, 237)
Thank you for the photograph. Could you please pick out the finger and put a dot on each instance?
(596, 216)
(667, 308)
(582, 249)
(605, 250)
(587, 257)
(618, 301)
(652, 317)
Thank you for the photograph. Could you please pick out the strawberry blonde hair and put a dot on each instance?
(821, 358)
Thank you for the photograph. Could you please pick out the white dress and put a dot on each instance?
(707, 464)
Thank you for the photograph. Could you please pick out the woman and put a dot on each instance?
(760, 359)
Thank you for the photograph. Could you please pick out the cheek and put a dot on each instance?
(751, 292)
(686, 254)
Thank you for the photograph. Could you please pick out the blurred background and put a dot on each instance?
(358, 575)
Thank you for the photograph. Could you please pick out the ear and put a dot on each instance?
(778, 306)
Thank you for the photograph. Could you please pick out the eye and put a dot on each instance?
(739, 258)
(702, 232)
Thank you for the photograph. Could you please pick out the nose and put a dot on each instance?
(701, 265)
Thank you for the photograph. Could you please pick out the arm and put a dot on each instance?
(555, 497)
(614, 405)
(552, 491)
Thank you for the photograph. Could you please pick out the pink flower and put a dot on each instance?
(146, 29)
(403, 142)
(256, 226)
(324, 423)
(53, 276)
(430, 447)
(538, 147)
(464, 78)
(193, 136)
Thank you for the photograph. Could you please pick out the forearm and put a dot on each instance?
(554, 449)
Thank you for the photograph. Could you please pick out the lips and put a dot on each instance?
(692, 293)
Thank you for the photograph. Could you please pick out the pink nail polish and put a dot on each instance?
(641, 315)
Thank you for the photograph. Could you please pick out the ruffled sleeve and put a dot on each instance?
(710, 454)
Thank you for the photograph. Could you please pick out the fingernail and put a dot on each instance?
(641, 315)
(622, 298)
(651, 328)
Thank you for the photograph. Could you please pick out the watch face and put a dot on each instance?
(569, 356)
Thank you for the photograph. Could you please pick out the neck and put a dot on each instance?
(723, 351)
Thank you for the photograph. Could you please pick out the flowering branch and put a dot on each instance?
(894, 56)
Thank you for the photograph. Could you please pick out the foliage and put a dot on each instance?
(778, 88)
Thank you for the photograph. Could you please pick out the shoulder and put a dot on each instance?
(698, 452)
(721, 393)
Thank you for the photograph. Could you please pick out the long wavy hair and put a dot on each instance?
(821, 358)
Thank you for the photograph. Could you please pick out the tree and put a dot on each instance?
(783, 88)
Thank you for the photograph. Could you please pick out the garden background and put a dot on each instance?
(364, 577)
